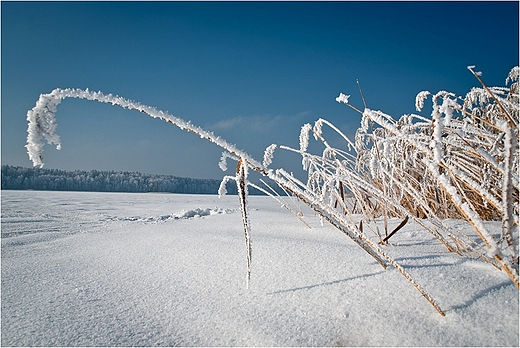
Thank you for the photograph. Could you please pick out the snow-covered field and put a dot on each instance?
(108, 269)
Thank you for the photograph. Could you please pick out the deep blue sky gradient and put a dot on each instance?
(252, 72)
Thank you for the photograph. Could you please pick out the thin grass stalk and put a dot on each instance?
(241, 177)
(282, 203)
(350, 230)
(507, 195)
(341, 227)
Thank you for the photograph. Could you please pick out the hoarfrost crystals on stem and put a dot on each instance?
(242, 183)
(223, 160)
(419, 100)
(222, 191)
(317, 129)
(343, 98)
(42, 122)
(514, 75)
(268, 155)
(304, 137)
(471, 67)
(42, 125)
(223, 163)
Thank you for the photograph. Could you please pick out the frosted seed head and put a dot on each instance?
(223, 163)
(513, 75)
(304, 137)
(268, 155)
(419, 100)
(343, 98)
(317, 129)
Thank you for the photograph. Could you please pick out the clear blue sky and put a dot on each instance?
(252, 72)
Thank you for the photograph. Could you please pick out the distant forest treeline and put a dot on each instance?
(21, 178)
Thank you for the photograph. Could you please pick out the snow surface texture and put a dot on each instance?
(109, 269)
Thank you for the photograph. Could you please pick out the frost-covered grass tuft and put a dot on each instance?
(460, 163)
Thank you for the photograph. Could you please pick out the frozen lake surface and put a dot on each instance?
(110, 269)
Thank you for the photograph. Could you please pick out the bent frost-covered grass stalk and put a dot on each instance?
(431, 169)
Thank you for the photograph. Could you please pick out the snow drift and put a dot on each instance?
(77, 272)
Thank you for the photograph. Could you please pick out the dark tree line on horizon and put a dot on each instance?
(22, 178)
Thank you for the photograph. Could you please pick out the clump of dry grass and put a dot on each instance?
(460, 163)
